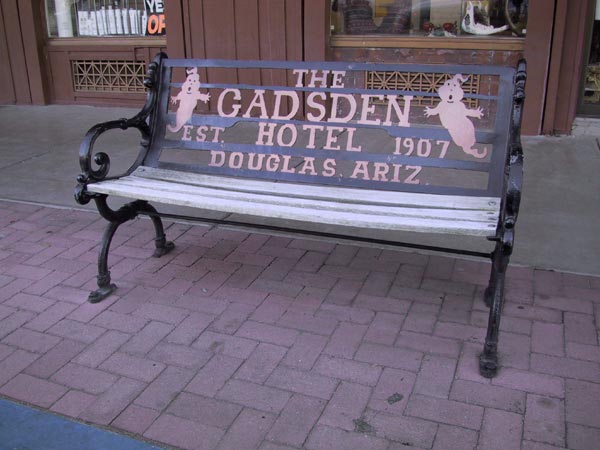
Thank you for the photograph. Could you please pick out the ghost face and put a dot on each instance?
(191, 84)
(451, 91)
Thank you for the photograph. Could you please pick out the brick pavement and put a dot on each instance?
(248, 341)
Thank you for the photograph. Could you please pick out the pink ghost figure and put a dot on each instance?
(454, 115)
(188, 99)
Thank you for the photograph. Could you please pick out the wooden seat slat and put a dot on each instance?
(330, 211)
(322, 192)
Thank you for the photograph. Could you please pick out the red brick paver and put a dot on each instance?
(241, 340)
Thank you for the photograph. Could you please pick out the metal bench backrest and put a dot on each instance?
(332, 123)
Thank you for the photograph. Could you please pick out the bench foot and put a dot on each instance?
(162, 246)
(105, 287)
(101, 293)
(488, 363)
(163, 249)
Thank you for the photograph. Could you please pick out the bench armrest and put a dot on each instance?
(511, 200)
(514, 182)
(513, 188)
(514, 166)
(102, 160)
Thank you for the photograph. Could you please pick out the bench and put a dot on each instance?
(342, 146)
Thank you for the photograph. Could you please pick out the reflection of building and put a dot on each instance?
(359, 18)
(106, 68)
(396, 17)
(388, 16)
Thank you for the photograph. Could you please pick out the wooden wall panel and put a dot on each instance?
(219, 29)
(176, 33)
(7, 88)
(272, 43)
(272, 38)
(538, 45)
(194, 31)
(316, 29)
(219, 40)
(293, 20)
(272, 29)
(243, 29)
(33, 39)
(556, 56)
(294, 37)
(194, 26)
(16, 52)
(247, 41)
(60, 73)
(247, 31)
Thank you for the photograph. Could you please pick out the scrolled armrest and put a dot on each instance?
(102, 159)
(142, 121)
(514, 187)
(514, 182)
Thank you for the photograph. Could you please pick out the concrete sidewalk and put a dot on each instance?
(247, 341)
(557, 226)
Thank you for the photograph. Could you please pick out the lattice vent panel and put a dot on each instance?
(423, 82)
(108, 75)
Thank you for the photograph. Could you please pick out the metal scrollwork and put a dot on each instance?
(126, 212)
(151, 76)
(96, 167)
(103, 161)
(141, 121)
(514, 183)
(81, 195)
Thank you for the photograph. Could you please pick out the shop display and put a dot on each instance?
(446, 18)
(387, 16)
(68, 18)
(591, 93)
(64, 24)
(515, 12)
(476, 19)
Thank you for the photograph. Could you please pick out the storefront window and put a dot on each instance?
(71, 18)
(445, 18)
(590, 100)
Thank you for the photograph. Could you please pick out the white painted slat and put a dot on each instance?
(437, 220)
(277, 200)
(327, 193)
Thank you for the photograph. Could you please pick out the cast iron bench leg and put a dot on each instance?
(488, 296)
(116, 218)
(160, 241)
(494, 294)
(105, 287)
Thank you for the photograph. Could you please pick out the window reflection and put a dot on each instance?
(429, 17)
(118, 18)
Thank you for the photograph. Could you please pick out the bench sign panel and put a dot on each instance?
(322, 126)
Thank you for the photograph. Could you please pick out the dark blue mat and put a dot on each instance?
(23, 428)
